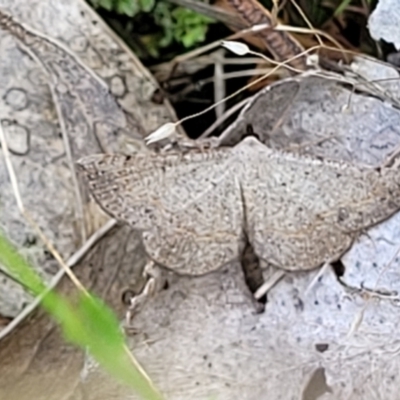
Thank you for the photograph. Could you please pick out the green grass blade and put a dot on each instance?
(88, 323)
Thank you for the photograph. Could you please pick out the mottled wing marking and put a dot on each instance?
(194, 207)
(188, 205)
(302, 212)
(203, 236)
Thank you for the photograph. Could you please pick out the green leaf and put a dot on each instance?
(107, 4)
(128, 7)
(194, 35)
(177, 23)
(19, 268)
(189, 28)
(342, 7)
(147, 5)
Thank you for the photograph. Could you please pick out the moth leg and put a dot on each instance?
(155, 282)
(269, 284)
(331, 263)
(320, 273)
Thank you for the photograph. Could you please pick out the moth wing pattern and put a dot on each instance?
(188, 206)
(302, 211)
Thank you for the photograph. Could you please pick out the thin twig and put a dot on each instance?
(17, 195)
(296, 29)
(217, 43)
(68, 152)
(78, 255)
(278, 65)
(270, 283)
(219, 83)
(226, 115)
(317, 276)
(306, 20)
(239, 74)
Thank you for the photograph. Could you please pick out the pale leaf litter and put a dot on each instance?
(384, 22)
(201, 337)
(27, 109)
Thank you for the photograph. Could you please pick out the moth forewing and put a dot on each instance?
(187, 205)
(303, 211)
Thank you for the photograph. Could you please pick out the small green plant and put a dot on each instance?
(88, 323)
(180, 24)
(175, 24)
(125, 7)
